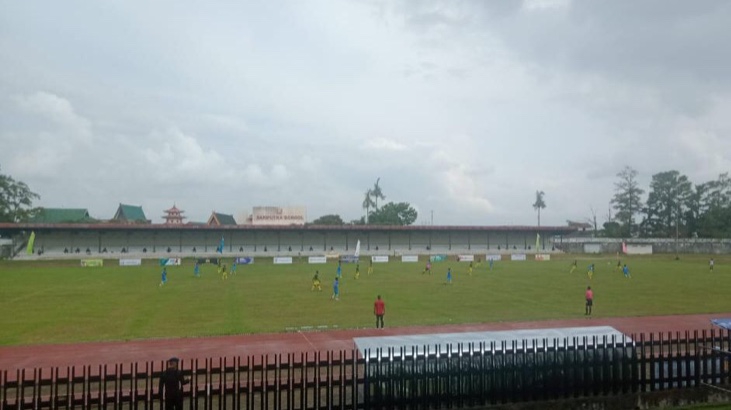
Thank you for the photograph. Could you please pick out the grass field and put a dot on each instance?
(54, 302)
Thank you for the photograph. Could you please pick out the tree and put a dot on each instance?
(16, 200)
(368, 203)
(394, 214)
(669, 198)
(376, 193)
(712, 208)
(539, 204)
(626, 200)
(329, 220)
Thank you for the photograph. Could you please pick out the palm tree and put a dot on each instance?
(376, 193)
(539, 204)
(368, 203)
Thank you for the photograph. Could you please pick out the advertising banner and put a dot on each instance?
(282, 260)
(317, 259)
(170, 261)
(638, 249)
(379, 259)
(493, 257)
(592, 248)
(130, 262)
(245, 261)
(438, 258)
(208, 260)
(349, 259)
(92, 262)
(543, 257)
(466, 258)
(409, 258)
(517, 257)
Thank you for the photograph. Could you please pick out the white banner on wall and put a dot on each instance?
(282, 260)
(317, 259)
(379, 259)
(493, 257)
(633, 249)
(517, 257)
(466, 258)
(409, 258)
(543, 257)
(592, 248)
(130, 262)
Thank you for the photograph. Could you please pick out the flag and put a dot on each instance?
(357, 249)
(538, 241)
(31, 241)
(624, 247)
(220, 246)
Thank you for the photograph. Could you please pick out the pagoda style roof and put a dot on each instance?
(62, 215)
(130, 214)
(221, 219)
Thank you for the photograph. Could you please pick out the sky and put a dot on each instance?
(463, 108)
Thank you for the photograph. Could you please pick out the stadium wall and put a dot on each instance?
(658, 245)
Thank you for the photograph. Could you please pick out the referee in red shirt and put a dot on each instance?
(379, 309)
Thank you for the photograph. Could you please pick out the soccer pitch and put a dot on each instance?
(61, 302)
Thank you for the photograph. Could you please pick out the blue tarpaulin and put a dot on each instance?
(722, 323)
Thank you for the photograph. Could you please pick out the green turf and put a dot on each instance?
(53, 302)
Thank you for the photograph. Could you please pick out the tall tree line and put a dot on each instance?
(674, 207)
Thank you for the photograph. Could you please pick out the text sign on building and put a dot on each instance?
(275, 215)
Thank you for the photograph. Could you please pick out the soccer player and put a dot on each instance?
(449, 275)
(427, 268)
(625, 270)
(619, 266)
(339, 274)
(470, 269)
(233, 268)
(589, 301)
(379, 309)
(490, 262)
(164, 276)
(224, 274)
(357, 270)
(574, 266)
(197, 270)
(316, 281)
(370, 266)
(336, 290)
(710, 265)
(590, 270)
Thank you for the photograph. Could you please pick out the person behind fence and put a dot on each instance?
(379, 309)
(171, 385)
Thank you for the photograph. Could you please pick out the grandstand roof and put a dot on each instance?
(221, 219)
(62, 215)
(130, 214)
(544, 230)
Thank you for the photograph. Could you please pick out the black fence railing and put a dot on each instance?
(454, 376)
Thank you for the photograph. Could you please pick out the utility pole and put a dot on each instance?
(432, 217)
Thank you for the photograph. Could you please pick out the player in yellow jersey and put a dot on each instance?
(357, 271)
(316, 281)
(573, 267)
(469, 270)
(370, 267)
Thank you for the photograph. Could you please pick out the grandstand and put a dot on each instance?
(112, 240)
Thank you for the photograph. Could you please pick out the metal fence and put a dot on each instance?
(415, 378)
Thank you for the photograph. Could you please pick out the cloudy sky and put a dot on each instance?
(463, 108)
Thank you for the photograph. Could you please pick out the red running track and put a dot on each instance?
(62, 355)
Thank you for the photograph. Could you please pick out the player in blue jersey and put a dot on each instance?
(336, 290)
(197, 270)
(164, 276)
(490, 262)
(625, 270)
(233, 268)
(449, 275)
(340, 270)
